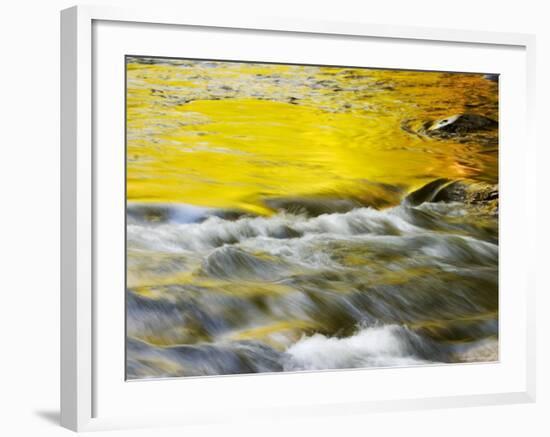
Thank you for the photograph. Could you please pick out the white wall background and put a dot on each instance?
(29, 217)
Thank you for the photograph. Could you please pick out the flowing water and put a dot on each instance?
(285, 218)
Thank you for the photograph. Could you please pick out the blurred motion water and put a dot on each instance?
(285, 218)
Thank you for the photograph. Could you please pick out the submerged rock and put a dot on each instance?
(444, 190)
(468, 193)
(312, 207)
(370, 194)
(478, 351)
(150, 361)
(177, 213)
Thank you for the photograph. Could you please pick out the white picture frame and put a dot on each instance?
(81, 369)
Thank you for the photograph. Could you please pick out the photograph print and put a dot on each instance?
(288, 218)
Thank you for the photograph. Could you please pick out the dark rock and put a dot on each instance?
(454, 192)
(427, 193)
(475, 193)
(148, 213)
(443, 190)
(461, 124)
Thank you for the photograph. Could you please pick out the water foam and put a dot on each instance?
(215, 232)
(378, 346)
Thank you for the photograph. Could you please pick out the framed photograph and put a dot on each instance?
(273, 218)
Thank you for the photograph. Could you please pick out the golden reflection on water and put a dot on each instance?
(229, 135)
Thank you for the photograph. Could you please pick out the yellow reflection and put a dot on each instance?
(230, 135)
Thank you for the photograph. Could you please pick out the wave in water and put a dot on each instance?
(376, 346)
(215, 231)
(365, 288)
(381, 346)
